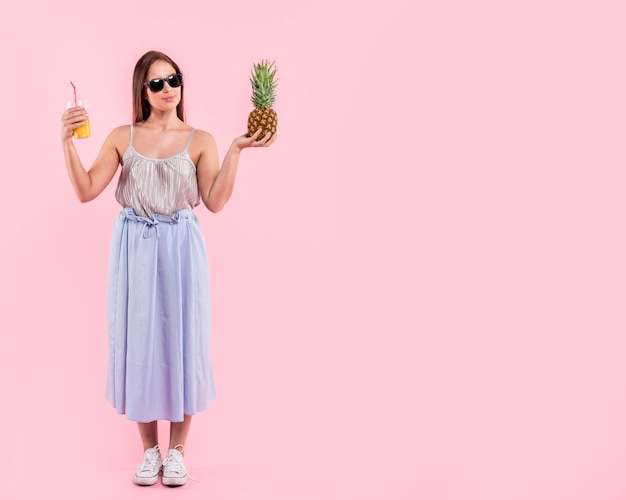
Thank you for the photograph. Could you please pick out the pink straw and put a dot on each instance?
(75, 100)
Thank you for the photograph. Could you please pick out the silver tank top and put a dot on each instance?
(157, 185)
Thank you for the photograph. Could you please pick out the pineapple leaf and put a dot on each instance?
(263, 83)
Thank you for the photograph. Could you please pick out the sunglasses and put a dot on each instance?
(156, 85)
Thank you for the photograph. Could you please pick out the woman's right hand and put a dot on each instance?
(71, 119)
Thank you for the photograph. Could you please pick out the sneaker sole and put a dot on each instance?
(145, 481)
(174, 481)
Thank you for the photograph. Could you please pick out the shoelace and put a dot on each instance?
(150, 460)
(175, 464)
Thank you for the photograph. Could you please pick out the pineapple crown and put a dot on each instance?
(263, 84)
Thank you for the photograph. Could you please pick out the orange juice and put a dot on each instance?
(83, 131)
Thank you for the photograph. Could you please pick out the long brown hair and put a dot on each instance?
(141, 107)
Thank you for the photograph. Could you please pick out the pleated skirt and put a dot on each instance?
(158, 311)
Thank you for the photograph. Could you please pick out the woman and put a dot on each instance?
(158, 292)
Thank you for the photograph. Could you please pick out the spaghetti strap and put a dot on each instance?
(189, 140)
(131, 135)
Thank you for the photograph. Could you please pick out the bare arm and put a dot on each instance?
(217, 184)
(89, 184)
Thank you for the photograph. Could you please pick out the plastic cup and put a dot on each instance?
(83, 131)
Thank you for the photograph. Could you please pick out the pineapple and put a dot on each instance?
(263, 94)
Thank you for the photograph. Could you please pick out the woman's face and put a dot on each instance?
(169, 97)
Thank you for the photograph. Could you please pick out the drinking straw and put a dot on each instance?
(75, 100)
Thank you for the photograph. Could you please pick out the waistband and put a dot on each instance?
(152, 223)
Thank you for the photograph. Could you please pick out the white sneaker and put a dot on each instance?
(174, 472)
(147, 472)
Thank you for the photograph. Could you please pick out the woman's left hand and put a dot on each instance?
(253, 141)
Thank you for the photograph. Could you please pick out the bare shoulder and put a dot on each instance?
(202, 146)
(118, 139)
(119, 135)
(203, 137)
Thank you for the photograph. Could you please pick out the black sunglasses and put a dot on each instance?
(156, 85)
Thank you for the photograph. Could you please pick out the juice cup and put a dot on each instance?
(83, 131)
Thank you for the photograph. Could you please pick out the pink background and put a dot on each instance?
(418, 291)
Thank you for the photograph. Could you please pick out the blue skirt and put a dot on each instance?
(158, 308)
